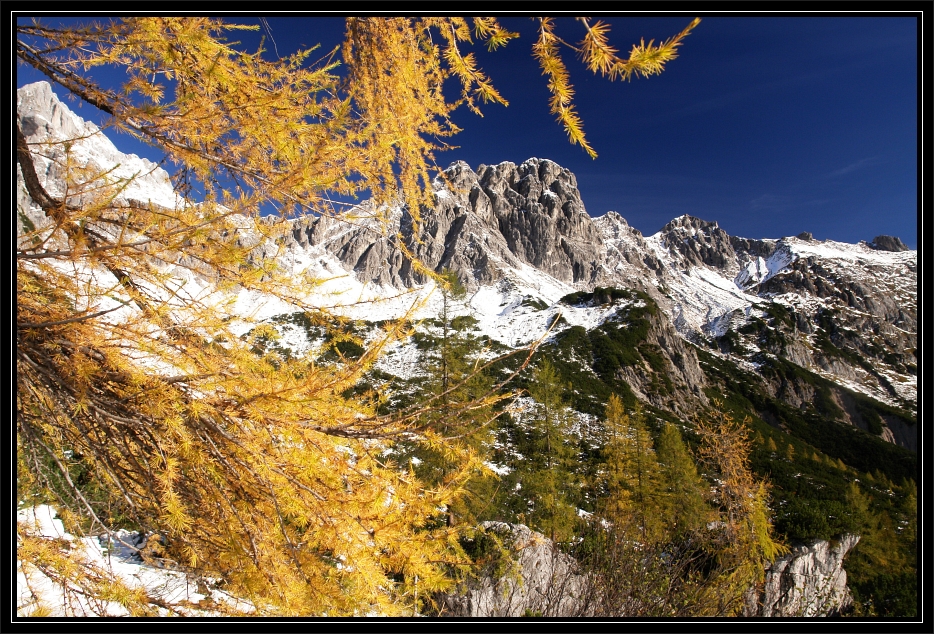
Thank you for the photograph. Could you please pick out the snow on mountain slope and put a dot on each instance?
(702, 298)
(520, 239)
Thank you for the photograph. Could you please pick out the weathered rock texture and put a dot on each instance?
(809, 581)
(544, 581)
(889, 243)
(501, 216)
(59, 137)
(695, 242)
(681, 367)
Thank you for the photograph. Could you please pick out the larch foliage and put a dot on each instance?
(597, 54)
(743, 543)
(635, 495)
(685, 506)
(139, 403)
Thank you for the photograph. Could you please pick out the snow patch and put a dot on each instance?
(117, 556)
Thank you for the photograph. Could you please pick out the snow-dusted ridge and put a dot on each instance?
(51, 122)
(520, 238)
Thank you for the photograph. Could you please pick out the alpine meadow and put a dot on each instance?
(458, 394)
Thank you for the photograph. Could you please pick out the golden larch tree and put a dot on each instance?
(742, 541)
(139, 403)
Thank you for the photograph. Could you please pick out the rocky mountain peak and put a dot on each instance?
(500, 216)
(615, 225)
(888, 243)
(59, 132)
(43, 116)
(458, 178)
(700, 242)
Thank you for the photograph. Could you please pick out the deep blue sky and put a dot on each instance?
(770, 126)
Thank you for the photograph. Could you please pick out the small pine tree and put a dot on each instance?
(548, 480)
(450, 359)
(686, 507)
(455, 418)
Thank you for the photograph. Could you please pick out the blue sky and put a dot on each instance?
(768, 125)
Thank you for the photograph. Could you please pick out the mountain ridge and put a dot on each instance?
(484, 228)
(518, 235)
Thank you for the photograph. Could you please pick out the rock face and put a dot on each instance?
(846, 312)
(539, 212)
(889, 243)
(543, 582)
(809, 581)
(501, 216)
(681, 366)
(48, 123)
(696, 242)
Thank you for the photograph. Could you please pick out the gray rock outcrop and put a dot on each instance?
(889, 243)
(682, 368)
(543, 582)
(808, 581)
(698, 242)
(59, 138)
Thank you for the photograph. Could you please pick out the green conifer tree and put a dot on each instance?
(457, 420)
(687, 510)
(547, 480)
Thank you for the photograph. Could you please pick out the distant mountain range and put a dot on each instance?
(520, 239)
